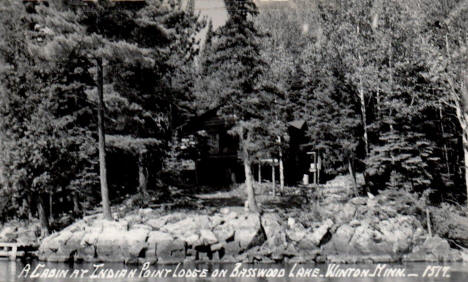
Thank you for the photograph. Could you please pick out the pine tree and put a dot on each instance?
(86, 42)
(46, 144)
(232, 69)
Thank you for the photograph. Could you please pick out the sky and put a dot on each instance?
(214, 9)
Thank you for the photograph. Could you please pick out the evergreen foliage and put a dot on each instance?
(232, 70)
(381, 84)
(51, 55)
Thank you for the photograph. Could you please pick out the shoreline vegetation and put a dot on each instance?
(337, 228)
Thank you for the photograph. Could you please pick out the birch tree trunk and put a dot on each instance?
(462, 118)
(363, 109)
(106, 210)
(465, 132)
(461, 108)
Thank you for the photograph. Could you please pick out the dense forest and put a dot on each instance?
(88, 88)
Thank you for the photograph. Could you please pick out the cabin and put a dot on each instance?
(221, 164)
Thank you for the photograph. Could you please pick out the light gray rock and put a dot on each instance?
(340, 240)
(296, 234)
(392, 236)
(135, 243)
(169, 252)
(141, 226)
(291, 222)
(192, 223)
(109, 246)
(192, 239)
(248, 230)
(346, 213)
(224, 232)
(208, 237)
(434, 249)
(274, 230)
(317, 235)
(156, 238)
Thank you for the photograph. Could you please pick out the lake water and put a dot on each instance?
(414, 272)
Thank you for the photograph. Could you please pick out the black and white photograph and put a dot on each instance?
(234, 140)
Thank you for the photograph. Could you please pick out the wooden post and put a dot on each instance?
(14, 248)
(273, 180)
(281, 172)
(281, 166)
(428, 223)
(196, 174)
(260, 172)
(315, 167)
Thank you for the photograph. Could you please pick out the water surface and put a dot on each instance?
(414, 272)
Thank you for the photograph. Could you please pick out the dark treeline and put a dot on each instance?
(380, 84)
(80, 78)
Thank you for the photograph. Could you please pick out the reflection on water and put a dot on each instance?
(414, 272)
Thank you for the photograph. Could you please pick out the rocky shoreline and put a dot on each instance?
(358, 231)
(390, 227)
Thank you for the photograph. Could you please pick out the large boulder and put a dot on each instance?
(49, 246)
(224, 232)
(88, 244)
(295, 231)
(165, 248)
(340, 240)
(434, 249)
(170, 252)
(394, 236)
(62, 246)
(135, 245)
(275, 231)
(71, 249)
(400, 232)
(155, 239)
(109, 246)
(317, 235)
(346, 213)
(56, 248)
(248, 231)
(208, 237)
(158, 222)
(366, 241)
(449, 223)
(191, 223)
